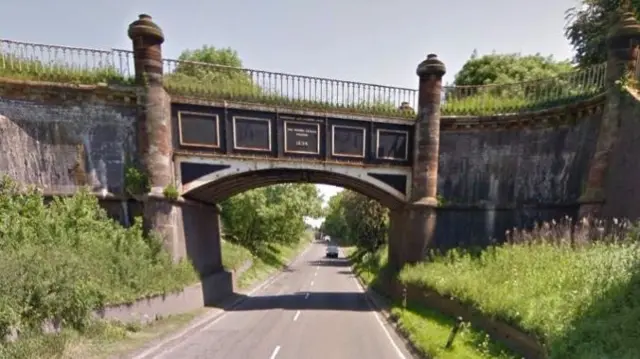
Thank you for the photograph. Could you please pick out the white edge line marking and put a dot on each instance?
(218, 316)
(306, 295)
(275, 352)
(296, 316)
(384, 328)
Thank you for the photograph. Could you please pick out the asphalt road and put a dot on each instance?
(315, 309)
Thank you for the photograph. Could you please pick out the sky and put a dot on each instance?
(372, 41)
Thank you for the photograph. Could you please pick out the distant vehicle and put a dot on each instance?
(332, 252)
(327, 238)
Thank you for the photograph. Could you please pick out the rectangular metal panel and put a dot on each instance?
(301, 137)
(348, 141)
(392, 145)
(197, 129)
(251, 133)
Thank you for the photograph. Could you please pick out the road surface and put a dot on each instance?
(315, 309)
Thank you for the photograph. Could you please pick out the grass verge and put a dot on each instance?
(580, 302)
(98, 340)
(426, 329)
(270, 260)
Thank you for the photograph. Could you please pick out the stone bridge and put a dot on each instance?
(492, 169)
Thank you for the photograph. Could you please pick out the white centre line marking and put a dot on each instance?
(296, 316)
(275, 353)
(311, 283)
(306, 296)
(315, 274)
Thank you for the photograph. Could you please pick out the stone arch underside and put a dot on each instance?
(219, 185)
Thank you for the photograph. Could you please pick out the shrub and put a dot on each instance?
(61, 260)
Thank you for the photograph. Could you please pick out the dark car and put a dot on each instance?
(332, 252)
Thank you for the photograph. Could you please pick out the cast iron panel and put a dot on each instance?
(348, 141)
(392, 144)
(398, 182)
(198, 129)
(252, 134)
(301, 137)
(190, 171)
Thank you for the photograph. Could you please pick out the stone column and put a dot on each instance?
(154, 131)
(154, 125)
(622, 42)
(421, 217)
(396, 236)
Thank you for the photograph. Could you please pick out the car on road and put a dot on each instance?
(332, 252)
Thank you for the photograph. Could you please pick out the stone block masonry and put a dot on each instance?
(61, 145)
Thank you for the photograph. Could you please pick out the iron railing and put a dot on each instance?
(224, 82)
(65, 64)
(204, 80)
(534, 95)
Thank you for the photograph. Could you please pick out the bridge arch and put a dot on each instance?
(212, 180)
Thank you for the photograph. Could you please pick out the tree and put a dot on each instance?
(212, 69)
(508, 68)
(273, 214)
(335, 224)
(526, 81)
(587, 27)
(357, 220)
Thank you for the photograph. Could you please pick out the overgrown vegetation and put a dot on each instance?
(356, 220)
(136, 182)
(428, 330)
(266, 225)
(59, 261)
(212, 73)
(171, 192)
(62, 260)
(580, 301)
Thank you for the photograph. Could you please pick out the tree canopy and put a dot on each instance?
(508, 68)
(270, 214)
(192, 71)
(587, 26)
(355, 219)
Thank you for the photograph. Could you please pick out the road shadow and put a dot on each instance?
(338, 301)
(336, 262)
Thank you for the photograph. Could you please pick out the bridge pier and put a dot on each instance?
(190, 231)
(412, 228)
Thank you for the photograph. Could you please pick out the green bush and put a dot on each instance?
(581, 302)
(59, 261)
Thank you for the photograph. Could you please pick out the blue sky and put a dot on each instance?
(371, 41)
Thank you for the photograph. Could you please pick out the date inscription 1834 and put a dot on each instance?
(302, 137)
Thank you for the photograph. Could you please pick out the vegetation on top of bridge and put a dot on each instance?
(223, 78)
(558, 283)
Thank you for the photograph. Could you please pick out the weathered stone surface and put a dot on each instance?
(61, 147)
(622, 189)
(514, 167)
